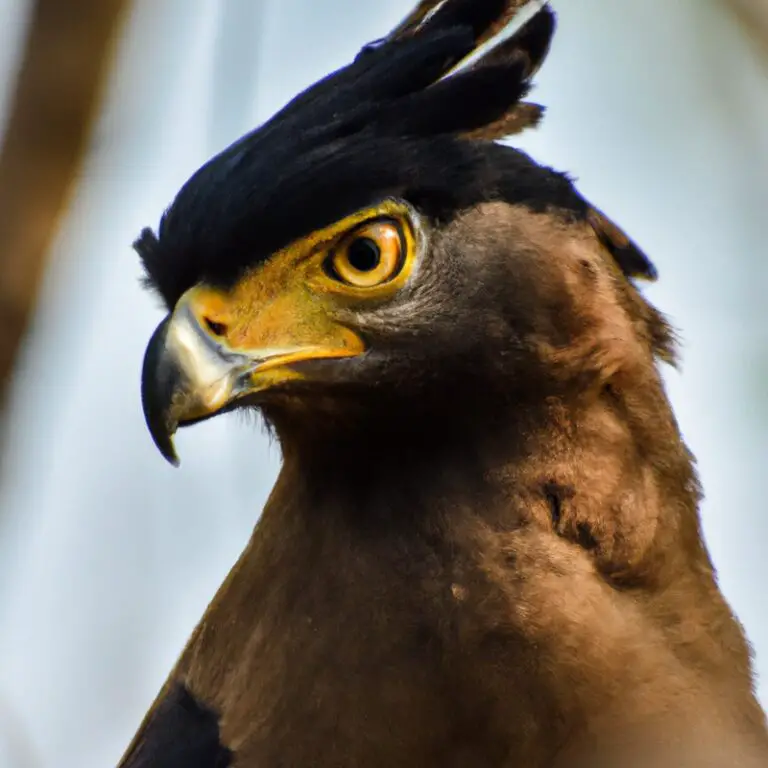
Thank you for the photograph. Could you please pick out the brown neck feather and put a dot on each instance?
(542, 568)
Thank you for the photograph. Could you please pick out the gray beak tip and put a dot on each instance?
(168, 451)
(159, 379)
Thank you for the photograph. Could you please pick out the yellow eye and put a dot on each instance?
(370, 256)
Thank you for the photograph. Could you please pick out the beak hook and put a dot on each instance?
(160, 379)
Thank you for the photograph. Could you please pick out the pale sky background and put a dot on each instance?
(108, 556)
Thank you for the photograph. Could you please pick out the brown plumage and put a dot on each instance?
(483, 548)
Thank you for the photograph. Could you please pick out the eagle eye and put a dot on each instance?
(369, 256)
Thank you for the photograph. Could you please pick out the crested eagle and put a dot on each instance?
(483, 548)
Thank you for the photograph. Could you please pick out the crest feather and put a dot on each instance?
(514, 61)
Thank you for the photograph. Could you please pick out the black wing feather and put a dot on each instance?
(180, 733)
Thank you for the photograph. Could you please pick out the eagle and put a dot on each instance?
(483, 548)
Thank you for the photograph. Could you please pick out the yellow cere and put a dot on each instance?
(289, 308)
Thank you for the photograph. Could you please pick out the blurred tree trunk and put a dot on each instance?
(66, 57)
(754, 16)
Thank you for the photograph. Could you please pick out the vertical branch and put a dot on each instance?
(753, 15)
(54, 104)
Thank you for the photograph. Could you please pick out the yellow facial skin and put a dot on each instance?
(283, 311)
(221, 345)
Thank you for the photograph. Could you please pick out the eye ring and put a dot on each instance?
(369, 256)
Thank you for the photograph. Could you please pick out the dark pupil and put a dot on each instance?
(363, 254)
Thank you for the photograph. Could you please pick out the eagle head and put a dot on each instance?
(372, 252)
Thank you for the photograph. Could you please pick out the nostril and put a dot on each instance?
(217, 329)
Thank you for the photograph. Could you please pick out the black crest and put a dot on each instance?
(414, 116)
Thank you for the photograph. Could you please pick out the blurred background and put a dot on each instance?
(107, 555)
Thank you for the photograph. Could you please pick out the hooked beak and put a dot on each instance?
(191, 372)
